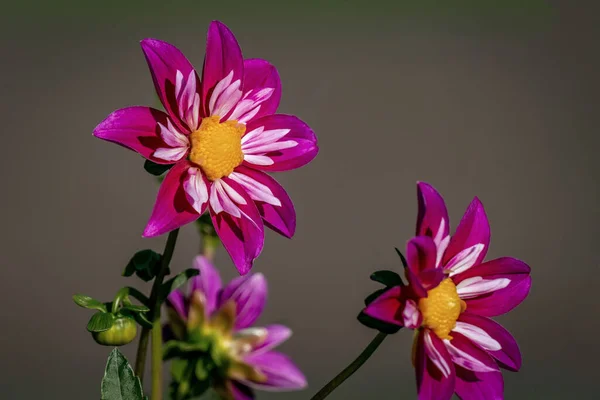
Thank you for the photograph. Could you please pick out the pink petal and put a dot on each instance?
(242, 237)
(276, 334)
(469, 356)
(387, 307)
(473, 229)
(433, 218)
(411, 315)
(164, 61)
(208, 282)
(422, 274)
(172, 209)
(432, 384)
(177, 301)
(223, 55)
(281, 372)
(136, 128)
(241, 391)
(273, 203)
(465, 259)
(499, 301)
(197, 187)
(260, 74)
(297, 148)
(509, 355)
(250, 296)
(479, 385)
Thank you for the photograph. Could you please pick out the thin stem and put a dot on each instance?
(154, 304)
(350, 369)
(209, 246)
(157, 361)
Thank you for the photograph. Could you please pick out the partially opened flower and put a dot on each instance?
(451, 294)
(221, 133)
(212, 328)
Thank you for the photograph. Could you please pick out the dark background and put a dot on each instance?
(494, 99)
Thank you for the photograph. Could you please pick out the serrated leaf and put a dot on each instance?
(156, 169)
(373, 323)
(177, 281)
(100, 322)
(388, 278)
(119, 382)
(370, 298)
(404, 263)
(87, 302)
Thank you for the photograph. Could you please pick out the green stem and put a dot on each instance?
(350, 369)
(210, 243)
(154, 304)
(157, 354)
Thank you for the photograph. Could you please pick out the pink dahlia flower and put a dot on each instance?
(451, 294)
(221, 134)
(237, 356)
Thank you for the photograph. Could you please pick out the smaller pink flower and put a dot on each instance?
(451, 294)
(222, 134)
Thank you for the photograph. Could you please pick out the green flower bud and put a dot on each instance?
(123, 331)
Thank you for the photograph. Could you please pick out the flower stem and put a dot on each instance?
(154, 304)
(350, 369)
(157, 360)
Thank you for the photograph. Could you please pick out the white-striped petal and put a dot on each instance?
(265, 148)
(477, 286)
(477, 336)
(434, 355)
(219, 88)
(465, 259)
(171, 136)
(170, 154)
(195, 189)
(259, 136)
(258, 160)
(466, 360)
(256, 190)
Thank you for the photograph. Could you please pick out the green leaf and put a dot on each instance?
(370, 298)
(135, 308)
(87, 302)
(156, 169)
(388, 278)
(404, 263)
(143, 320)
(119, 382)
(177, 281)
(373, 323)
(100, 322)
(145, 264)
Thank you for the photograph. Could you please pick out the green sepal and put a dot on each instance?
(87, 302)
(388, 278)
(373, 323)
(402, 258)
(174, 283)
(156, 169)
(120, 382)
(101, 321)
(145, 264)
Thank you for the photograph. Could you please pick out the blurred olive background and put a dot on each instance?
(494, 99)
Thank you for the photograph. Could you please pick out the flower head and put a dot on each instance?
(220, 132)
(213, 327)
(451, 294)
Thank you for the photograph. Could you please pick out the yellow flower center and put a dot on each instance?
(441, 308)
(217, 147)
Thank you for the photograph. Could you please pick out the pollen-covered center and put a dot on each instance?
(217, 147)
(441, 308)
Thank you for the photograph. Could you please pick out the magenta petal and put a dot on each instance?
(281, 372)
(474, 228)
(208, 282)
(421, 253)
(479, 385)
(249, 293)
(242, 237)
(276, 334)
(433, 214)
(223, 55)
(503, 300)
(431, 382)
(172, 209)
(241, 391)
(467, 355)
(509, 356)
(281, 218)
(387, 307)
(164, 60)
(177, 301)
(302, 152)
(260, 74)
(135, 128)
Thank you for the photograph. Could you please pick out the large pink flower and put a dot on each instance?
(221, 133)
(451, 293)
